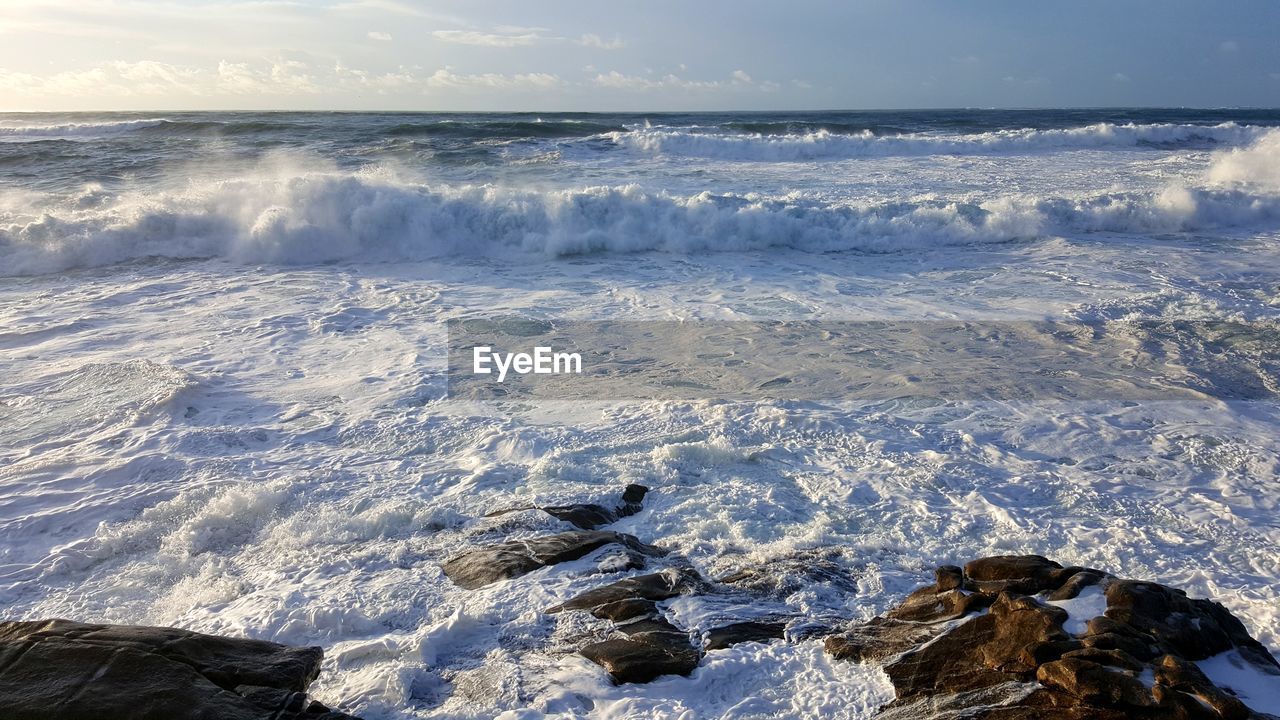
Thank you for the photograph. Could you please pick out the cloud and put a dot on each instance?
(1229, 46)
(595, 41)
(382, 6)
(738, 79)
(446, 78)
(278, 78)
(1120, 77)
(379, 36)
(507, 36)
(500, 40)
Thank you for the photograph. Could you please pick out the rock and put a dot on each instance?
(627, 598)
(1094, 684)
(64, 670)
(729, 635)
(947, 659)
(644, 657)
(784, 576)
(652, 646)
(929, 605)
(477, 568)
(1026, 574)
(590, 516)
(879, 639)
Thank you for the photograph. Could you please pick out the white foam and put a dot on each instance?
(826, 145)
(1258, 687)
(74, 131)
(1089, 604)
(310, 217)
(1255, 166)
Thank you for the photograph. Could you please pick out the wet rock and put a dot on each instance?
(643, 657)
(63, 670)
(879, 639)
(626, 598)
(783, 576)
(590, 516)
(986, 642)
(1001, 646)
(730, 635)
(1094, 684)
(653, 646)
(486, 565)
(1026, 574)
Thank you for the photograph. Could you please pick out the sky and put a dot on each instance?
(657, 55)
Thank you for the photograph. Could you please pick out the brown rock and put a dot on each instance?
(657, 586)
(641, 659)
(879, 639)
(1095, 684)
(589, 516)
(63, 670)
(729, 635)
(478, 568)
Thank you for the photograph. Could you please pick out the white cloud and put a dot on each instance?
(1229, 46)
(507, 36)
(279, 78)
(379, 36)
(1120, 77)
(595, 41)
(446, 78)
(471, 37)
(520, 30)
(737, 80)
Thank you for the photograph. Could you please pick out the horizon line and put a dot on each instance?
(1025, 108)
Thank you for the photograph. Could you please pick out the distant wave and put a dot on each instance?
(76, 130)
(826, 145)
(512, 129)
(311, 217)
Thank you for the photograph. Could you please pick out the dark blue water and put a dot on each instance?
(49, 151)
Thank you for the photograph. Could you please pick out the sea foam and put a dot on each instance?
(825, 145)
(308, 216)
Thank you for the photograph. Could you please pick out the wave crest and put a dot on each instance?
(324, 217)
(826, 145)
(76, 130)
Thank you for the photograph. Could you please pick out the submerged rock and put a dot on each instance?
(63, 670)
(652, 646)
(740, 632)
(1012, 637)
(633, 596)
(644, 657)
(477, 568)
(590, 516)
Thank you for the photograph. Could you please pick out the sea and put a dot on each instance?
(225, 398)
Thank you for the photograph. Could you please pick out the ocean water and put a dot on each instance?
(224, 402)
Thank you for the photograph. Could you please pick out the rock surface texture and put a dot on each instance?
(589, 516)
(63, 670)
(504, 561)
(1014, 637)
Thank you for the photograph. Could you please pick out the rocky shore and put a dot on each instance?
(1002, 638)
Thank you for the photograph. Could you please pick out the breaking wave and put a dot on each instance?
(823, 144)
(310, 217)
(76, 130)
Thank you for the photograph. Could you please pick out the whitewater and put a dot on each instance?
(225, 403)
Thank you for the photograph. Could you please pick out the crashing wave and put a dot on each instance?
(76, 130)
(309, 217)
(826, 145)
